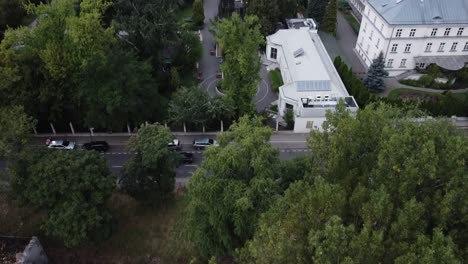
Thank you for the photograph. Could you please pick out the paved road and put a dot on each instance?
(290, 145)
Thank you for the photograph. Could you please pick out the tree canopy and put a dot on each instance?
(15, 129)
(380, 187)
(240, 40)
(150, 175)
(70, 187)
(234, 184)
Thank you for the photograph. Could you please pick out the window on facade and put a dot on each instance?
(378, 42)
(273, 53)
(466, 46)
(408, 48)
(362, 40)
(367, 50)
(447, 31)
(310, 124)
(390, 63)
(375, 19)
(412, 32)
(421, 65)
(434, 32)
(289, 106)
(403, 63)
(381, 27)
(365, 27)
(454, 46)
(394, 48)
(460, 31)
(441, 46)
(428, 47)
(371, 34)
(398, 33)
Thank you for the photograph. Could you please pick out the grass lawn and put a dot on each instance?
(352, 21)
(276, 79)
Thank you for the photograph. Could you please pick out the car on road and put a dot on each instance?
(174, 144)
(186, 157)
(96, 145)
(61, 144)
(202, 143)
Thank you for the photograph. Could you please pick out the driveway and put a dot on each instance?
(210, 64)
(343, 44)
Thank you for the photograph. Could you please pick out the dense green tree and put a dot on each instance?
(198, 12)
(376, 73)
(235, 183)
(189, 50)
(150, 25)
(150, 175)
(240, 40)
(316, 10)
(329, 18)
(70, 187)
(11, 14)
(396, 192)
(15, 129)
(268, 13)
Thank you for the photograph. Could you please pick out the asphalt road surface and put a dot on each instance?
(289, 146)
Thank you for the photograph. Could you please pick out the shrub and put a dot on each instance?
(276, 80)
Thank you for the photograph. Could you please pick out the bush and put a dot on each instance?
(276, 80)
(289, 118)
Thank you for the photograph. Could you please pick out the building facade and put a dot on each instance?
(414, 34)
(358, 6)
(312, 85)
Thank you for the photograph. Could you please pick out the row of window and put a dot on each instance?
(402, 63)
(412, 32)
(429, 47)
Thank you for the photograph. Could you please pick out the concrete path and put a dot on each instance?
(346, 39)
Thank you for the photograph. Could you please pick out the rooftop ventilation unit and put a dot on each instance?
(298, 53)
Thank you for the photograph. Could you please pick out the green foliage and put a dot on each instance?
(11, 14)
(150, 175)
(175, 79)
(15, 129)
(71, 187)
(289, 118)
(380, 187)
(276, 79)
(193, 105)
(329, 18)
(190, 50)
(240, 40)
(376, 73)
(447, 105)
(198, 12)
(316, 10)
(71, 63)
(268, 13)
(233, 186)
(151, 26)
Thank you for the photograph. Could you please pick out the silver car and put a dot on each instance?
(61, 144)
(202, 143)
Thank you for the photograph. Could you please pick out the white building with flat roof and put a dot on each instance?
(414, 34)
(311, 83)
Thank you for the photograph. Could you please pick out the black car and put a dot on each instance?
(96, 145)
(186, 157)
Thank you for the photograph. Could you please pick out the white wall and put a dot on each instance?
(376, 35)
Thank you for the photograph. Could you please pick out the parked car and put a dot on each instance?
(186, 157)
(202, 143)
(174, 144)
(61, 144)
(96, 145)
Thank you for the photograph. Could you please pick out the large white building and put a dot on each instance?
(414, 33)
(311, 83)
